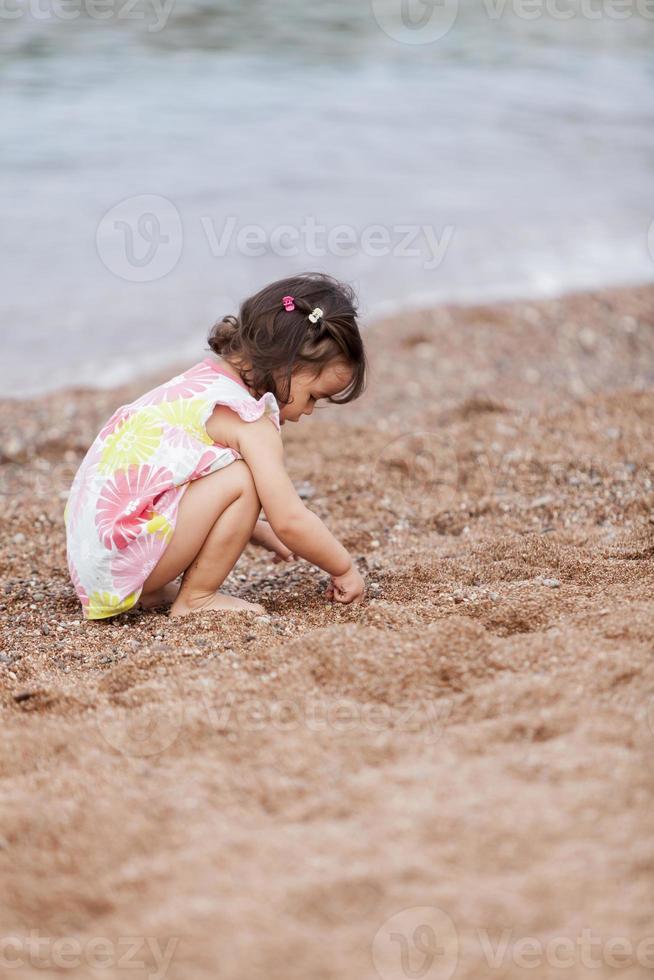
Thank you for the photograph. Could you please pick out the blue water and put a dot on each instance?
(506, 158)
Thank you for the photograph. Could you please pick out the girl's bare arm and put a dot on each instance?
(260, 445)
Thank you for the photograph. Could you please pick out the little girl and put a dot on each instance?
(175, 481)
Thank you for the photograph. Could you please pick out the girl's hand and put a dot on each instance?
(264, 535)
(347, 588)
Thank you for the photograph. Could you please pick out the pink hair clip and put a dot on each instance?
(289, 303)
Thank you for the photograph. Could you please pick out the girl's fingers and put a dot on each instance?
(286, 556)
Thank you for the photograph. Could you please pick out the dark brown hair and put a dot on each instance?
(266, 343)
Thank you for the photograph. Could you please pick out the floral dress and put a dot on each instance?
(122, 507)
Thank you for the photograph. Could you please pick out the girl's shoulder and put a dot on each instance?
(179, 409)
(194, 381)
(208, 384)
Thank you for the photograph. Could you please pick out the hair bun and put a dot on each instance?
(222, 333)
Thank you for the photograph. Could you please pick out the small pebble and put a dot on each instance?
(19, 537)
(305, 491)
(24, 696)
(551, 583)
(45, 630)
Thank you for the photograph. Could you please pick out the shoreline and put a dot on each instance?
(475, 737)
(121, 375)
(559, 333)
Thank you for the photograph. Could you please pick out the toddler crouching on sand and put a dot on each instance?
(175, 481)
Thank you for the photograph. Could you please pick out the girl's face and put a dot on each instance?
(307, 388)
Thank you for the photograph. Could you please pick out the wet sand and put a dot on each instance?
(454, 776)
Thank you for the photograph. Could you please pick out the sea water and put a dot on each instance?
(163, 160)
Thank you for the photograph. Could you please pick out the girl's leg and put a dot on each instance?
(214, 523)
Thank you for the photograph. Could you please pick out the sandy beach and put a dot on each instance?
(453, 779)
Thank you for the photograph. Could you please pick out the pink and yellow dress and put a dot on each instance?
(123, 503)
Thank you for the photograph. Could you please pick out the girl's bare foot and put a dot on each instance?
(164, 596)
(185, 604)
